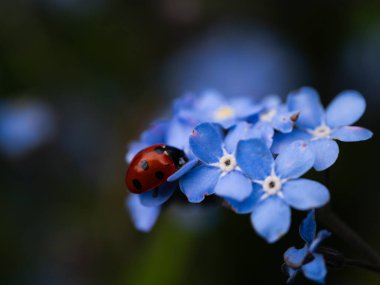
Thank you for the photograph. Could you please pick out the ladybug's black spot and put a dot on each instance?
(144, 165)
(137, 184)
(160, 175)
(159, 149)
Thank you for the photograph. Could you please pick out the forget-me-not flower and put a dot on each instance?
(212, 107)
(145, 208)
(276, 114)
(156, 134)
(219, 172)
(277, 186)
(320, 128)
(143, 217)
(307, 260)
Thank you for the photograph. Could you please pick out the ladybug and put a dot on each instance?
(152, 166)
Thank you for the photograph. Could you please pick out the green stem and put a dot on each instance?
(333, 223)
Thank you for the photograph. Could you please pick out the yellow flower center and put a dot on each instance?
(223, 113)
(268, 116)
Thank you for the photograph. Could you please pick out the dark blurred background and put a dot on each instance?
(79, 79)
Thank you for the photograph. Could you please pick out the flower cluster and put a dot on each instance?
(252, 155)
(307, 259)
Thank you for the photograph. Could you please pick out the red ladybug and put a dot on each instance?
(152, 166)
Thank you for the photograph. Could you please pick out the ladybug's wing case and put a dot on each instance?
(149, 169)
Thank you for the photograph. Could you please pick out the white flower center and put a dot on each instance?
(272, 185)
(322, 131)
(227, 163)
(224, 112)
(268, 116)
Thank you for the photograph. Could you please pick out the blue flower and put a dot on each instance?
(25, 125)
(322, 127)
(277, 186)
(143, 218)
(145, 208)
(212, 107)
(219, 172)
(157, 133)
(307, 259)
(276, 115)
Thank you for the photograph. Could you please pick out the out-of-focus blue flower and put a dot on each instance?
(219, 172)
(277, 186)
(189, 111)
(156, 134)
(213, 107)
(307, 260)
(145, 208)
(320, 128)
(24, 126)
(276, 115)
(143, 217)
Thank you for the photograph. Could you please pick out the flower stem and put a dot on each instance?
(362, 264)
(333, 223)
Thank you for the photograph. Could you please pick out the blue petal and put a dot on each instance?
(271, 218)
(186, 101)
(183, 170)
(199, 182)
(143, 217)
(206, 142)
(283, 122)
(133, 149)
(242, 131)
(294, 257)
(322, 235)
(255, 159)
(316, 269)
(244, 107)
(308, 227)
(305, 194)
(345, 109)
(295, 160)
(236, 134)
(326, 152)
(352, 134)
(306, 101)
(266, 133)
(234, 185)
(292, 274)
(281, 141)
(247, 205)
(210, 100)
(271, 102)
(156, 133)
(178, 134)
(158, 196)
